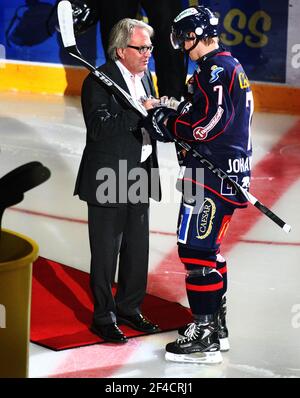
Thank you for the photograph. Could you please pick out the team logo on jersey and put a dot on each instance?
(215, 71)
(205, 218)
(200, 133)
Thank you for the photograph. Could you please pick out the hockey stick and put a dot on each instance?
(65, 19)
(67, 32)
(225, 177)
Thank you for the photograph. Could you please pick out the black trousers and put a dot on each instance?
(169, 64)
(118, 233)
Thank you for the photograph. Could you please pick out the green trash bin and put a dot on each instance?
(17, 253)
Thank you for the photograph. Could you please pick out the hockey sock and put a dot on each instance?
(204, 290)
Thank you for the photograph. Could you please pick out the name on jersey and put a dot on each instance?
(239, 165)
(200, 133)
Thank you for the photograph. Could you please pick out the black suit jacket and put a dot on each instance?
(113, 134)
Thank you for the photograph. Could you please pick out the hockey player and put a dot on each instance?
(215, 120)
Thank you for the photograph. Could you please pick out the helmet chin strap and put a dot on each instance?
(187, 52)
(186, 65)
(192, 48)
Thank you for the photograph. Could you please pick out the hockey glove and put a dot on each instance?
(155, 123)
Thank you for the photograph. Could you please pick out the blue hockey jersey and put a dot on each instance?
(216, 122)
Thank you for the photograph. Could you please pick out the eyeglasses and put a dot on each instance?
(142, 49)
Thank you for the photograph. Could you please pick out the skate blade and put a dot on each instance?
(224, 344)
(196, 357)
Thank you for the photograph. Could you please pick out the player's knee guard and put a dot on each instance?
(204, 286)
(201, 272)
(204, 279)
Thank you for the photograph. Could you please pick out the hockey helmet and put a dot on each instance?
(200, 20)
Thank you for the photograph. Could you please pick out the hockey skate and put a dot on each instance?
(199, 345)
(222, 328)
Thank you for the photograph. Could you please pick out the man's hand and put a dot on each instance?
(150, 102)
(169, 102)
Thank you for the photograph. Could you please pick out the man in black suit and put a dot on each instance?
(169, 65)
(118, 218)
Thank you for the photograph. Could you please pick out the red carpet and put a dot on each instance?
(61, 309)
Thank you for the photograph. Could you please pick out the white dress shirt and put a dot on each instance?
(137, 91)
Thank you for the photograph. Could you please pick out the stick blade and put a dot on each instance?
(65, 20)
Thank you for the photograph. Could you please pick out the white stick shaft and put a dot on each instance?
(65, 19)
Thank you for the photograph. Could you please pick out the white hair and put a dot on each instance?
(121, 33)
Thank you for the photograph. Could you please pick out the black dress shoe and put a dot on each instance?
(138, 322)
(109, 332)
